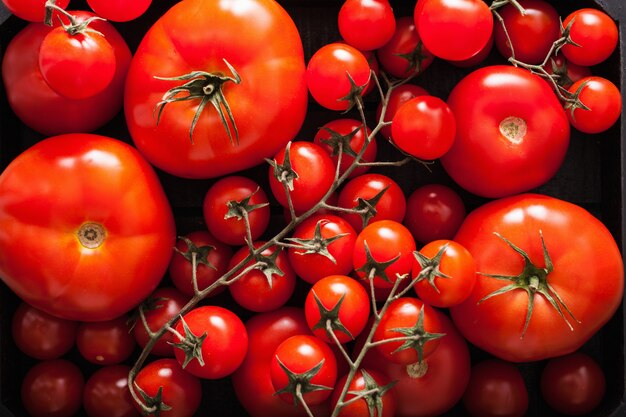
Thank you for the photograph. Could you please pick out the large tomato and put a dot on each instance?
(236, 57)
(512, 132)
(533, 301)
(72, 242)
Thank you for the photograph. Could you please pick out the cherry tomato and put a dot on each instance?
(105, 342)
(119, 10)
(595, 33)
(604, 103)
(106, 393)
(31, 10)
(397, 98)
(366, 24)
(384, 402)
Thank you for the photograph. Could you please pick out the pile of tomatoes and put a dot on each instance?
(283, 208)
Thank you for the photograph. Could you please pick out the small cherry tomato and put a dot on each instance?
(366, 24)
(595, 34)
(106, 393)
(119, 10)
(397, 98)
(603, 103)
(105, 342)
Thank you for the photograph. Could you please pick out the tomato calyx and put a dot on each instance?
(372, 268)
(317, 244)
(430, 267)
(208, 88)
(366, 207)
(340, 144)
(496, 4)
(415, 59)
(372, 393)
(152, 405)
(74, 27)
(268, 266)
(415, 337)
(417, 370)
(200, 253)
(242, 208)
(149, 304)
(560, 74)
(355, 95)
(329, 318)
(190, 344)
(533, 280)
(284, 173)
(300, 383)
(91, 235)
(575, 102)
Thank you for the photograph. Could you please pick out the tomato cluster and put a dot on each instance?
(242, 207)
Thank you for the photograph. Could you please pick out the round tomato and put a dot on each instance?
(594, 33)
(600, 104)
(512, 132)
(366, 24)
(31, 10)
(399, 95)
(106, 393)
(105, 342)
(212, 126)
(535, 296)
(39, 106)
(119, 10)
(364, 381)
(73, 242)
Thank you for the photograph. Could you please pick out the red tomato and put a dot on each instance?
(340, 300)
(397, 98)
(81, 221)
(307, 362)
(208, 37)
(603, 101)
(595, 34)
(164, 385)
(448, 273)
(481, 56)
(434, 211)
(256, 291)
(41, 335)
(424, 127)
(119, 10)
(215, 342)
(224, 206)
(329, 72)
(105, 342)
(583, 299)
(212, 259)
(573, 384)
(366, 24)
(160, 307)
(441, 24)
(52, 388)
(335, 236)
(106, 393)
(512, 132)
(31, 10)
(46, 111)
(365, 380)
(496, 388)
(532, 34)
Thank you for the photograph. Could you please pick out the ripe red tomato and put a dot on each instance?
(224, 205)
(106, 393)
(81, 220)
(512, 132)
(496, 388)
(595, 34)
(163, 384)
(207, 37)
(119, 10)
(573, 384)
(384, 402)
(40, 335)
(399, 95)
(532, 34)
(105, 342)
(603, 101)
(569, 301)
(31, 10)
(340, 300)
(40, 107)
(219, 338)
(366, 24)
(52, 387)
(329, 72)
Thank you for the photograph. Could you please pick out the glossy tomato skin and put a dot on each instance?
(119, 10)
(604, 103)
(268, 58)
(365, 24)
(44, 110)
(106, 342)
(106, 393)
(596, 34)
(93, 186)
(592, 295)
(359, 384)
(399, 96)
(512, 132)
(31, 10)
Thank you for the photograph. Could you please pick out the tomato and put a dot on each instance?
(336, 239)
(40, 107)
(106, 393)
(496, 388)
(573, 384)
(340, 301)
(375, 196)
(399, 95)
(74, 243)
(105, 342)
(76, 65)
(306, 364)
(349, 136)
(164, 385)
(263, 289)
(40, 335)
(477, 59)
(119, 10)
(512, 133)
(384, 251)
(52, 387)
(236, 72)
(366, 24)
(159, 308)
(212, 259)
(308, 171)
(31, 10)
(443, 24)
(532, 34)
(603, 101)
(434, 211)
(405, 54)
(549, 301)
(215, 342)
(336, 74)
(424, 127)
(379, 404)
(448, 273)
(594, 32)
(566, 73)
